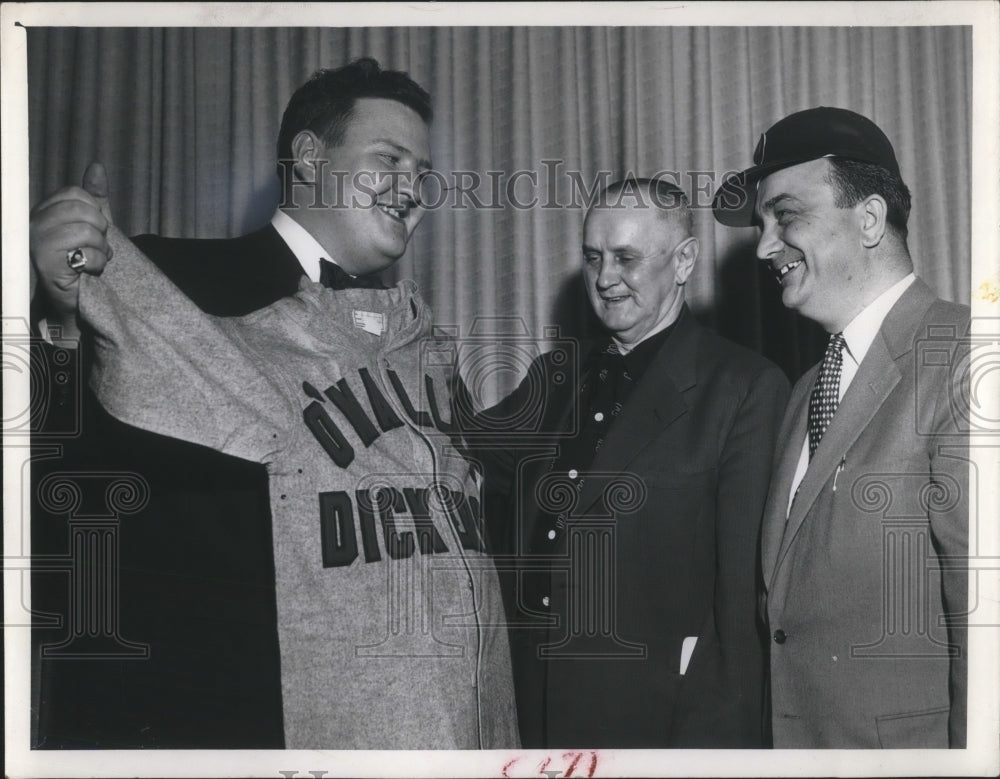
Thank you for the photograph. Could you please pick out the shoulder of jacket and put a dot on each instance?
(947, 312)
(728, 357)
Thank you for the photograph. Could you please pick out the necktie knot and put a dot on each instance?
(826, 393)
(333, 276)
(835, 346)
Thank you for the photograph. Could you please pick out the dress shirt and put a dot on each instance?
(307, 250)
(858, 337)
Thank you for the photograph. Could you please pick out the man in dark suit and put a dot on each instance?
(866, 529)
(630, 539)
(191, 659)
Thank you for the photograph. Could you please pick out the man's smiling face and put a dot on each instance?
(631, 269)
(812, 246)
(374, 174)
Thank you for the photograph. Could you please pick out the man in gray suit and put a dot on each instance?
(865, 532)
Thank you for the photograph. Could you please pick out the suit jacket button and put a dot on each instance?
(779, 636)
(545, 601)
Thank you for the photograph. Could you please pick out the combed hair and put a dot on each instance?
(661, 194)
(854, 181)
(324, 104)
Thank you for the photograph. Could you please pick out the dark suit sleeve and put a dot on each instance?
(197, 607)
(494, 439)
(744, 473)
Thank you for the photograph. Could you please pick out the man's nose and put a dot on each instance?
(403, 188)
(401, 182)
(608, 275)
(769, 243)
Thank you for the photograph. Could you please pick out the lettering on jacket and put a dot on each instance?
(349, 529)
(378, 511)
(326, 430)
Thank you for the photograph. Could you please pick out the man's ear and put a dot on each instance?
(872, 212)
(307, 151)
(685, 256)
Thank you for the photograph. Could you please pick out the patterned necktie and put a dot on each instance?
(824, 399)
(333, 276)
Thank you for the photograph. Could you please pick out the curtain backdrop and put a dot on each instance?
(186, 120)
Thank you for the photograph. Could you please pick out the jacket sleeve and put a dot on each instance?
(744, 474)
(163, 365)
(948, 507)
(495, 439)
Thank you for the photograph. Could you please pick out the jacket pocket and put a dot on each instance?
(926, 729)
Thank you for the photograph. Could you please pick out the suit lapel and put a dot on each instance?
(877, 375)
(274, 260)
(655, 403)
(793, 429)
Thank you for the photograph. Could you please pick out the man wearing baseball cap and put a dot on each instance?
(865, 530)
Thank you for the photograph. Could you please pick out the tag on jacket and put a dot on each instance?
(369, 321)
(687, 649)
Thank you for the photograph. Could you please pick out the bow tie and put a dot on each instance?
(333, 276)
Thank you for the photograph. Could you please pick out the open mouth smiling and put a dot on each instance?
(784, 270)
(397, 212)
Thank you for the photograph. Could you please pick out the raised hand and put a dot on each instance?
(67, 237)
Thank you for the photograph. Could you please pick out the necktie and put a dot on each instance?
(824, 399)
(333, 276)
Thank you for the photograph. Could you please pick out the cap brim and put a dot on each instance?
(735, 201)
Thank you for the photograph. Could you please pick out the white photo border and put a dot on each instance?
(979, 759)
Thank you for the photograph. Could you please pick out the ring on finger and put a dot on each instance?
(76, 259)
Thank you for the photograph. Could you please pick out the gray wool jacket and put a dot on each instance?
(390, 621)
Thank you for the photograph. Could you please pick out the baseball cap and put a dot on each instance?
(801, 137)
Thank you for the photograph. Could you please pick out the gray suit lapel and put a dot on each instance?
(793, 429)
(877, 375)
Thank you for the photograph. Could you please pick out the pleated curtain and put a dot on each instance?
(186, 120)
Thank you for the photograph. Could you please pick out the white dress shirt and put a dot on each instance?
(307, 250)
(858, 337)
